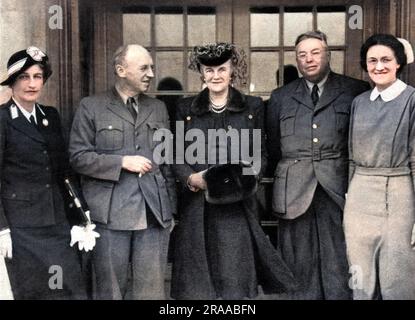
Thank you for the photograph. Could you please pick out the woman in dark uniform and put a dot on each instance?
(34, 231)
(220, 249)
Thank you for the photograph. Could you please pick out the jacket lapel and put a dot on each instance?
(21, 124)
(117, 106)
(332, 90)
(303, 95)
(144, 110)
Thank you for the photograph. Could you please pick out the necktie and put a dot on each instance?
(314, 94)
(130, 106)
(32, 121)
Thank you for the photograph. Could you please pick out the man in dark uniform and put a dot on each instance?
(307, 130)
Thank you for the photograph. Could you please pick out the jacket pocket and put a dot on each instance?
(110, 135)
(16, 204)
(165, 200)
(342, 117)
(280, 190)
(153, 126)
(98, 194)
(287, 122)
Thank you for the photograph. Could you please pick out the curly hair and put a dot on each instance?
(217, 51)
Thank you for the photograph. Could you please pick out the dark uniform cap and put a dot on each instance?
(24, 59)
(227, 183)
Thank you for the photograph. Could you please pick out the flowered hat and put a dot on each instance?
(24, 59)
(216, 54)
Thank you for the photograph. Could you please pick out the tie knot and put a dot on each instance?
(32, 120)
(131, 106)
(314, 94)
(131, 100)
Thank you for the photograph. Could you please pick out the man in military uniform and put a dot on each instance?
(307, 130)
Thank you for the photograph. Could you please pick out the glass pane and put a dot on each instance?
(169, 30)
(202, 29)
(333, 24)
(289, 58)
(194, 82)
(136, 28)
(263, 68)
(296, 23)
(169, 64)
(337, 61)
(290, 68)
(265, 29)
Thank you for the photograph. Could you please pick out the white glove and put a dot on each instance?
(6, 245)
(85, 236)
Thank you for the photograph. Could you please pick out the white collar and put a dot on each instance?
(320, 85)
(26, 113)
(390, 92)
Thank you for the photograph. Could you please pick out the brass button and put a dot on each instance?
(47, 186)
(229, 127)
(45, 152)
(13, 195)
(110, 127)
(188, 118)
(315, 140)
(250, 117)
(315, 126)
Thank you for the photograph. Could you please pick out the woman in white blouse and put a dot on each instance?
(379, 215)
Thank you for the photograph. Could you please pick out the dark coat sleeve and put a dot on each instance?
(352, 165)
(260, 124)
(181, 169)
(167, 172)
(272, 126)
(3, 220)
(64, 171)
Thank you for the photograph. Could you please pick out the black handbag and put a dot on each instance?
(230, 182)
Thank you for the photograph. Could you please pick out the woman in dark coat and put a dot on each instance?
(34, 231)
(220, 249)
(379, 216)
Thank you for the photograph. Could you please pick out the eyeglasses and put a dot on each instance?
(314, 54)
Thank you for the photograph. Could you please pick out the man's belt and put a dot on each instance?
(314, 155)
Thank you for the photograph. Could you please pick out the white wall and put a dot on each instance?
(23, 23)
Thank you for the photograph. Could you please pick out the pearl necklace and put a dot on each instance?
(218, 108)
